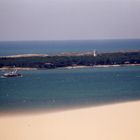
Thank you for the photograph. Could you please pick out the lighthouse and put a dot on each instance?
(94, 53)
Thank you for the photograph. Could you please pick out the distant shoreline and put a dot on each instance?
(71, 67)
(101, 66)
(66, 54)
(70, 60)
(17, 68)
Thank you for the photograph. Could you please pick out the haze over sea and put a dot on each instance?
(59, 88)
(53, 47)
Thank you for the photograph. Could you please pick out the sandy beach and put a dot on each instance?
(109, 122)
(17, 68)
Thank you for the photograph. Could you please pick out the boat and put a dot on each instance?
(12, 74)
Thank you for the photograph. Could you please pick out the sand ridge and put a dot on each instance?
(110, 122)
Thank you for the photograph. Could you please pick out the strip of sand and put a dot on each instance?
(109, 122)
(100, 66)
(17, 68)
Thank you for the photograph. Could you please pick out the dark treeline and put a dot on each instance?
(63, 61)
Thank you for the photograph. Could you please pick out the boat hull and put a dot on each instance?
(12, 75)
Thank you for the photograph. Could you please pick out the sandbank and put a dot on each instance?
(17, 68)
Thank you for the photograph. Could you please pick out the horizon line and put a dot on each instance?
(39, 40)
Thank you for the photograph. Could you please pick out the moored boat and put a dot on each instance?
(12, 74)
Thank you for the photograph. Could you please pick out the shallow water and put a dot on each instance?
(59, 88)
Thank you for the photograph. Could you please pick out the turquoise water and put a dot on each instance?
(58, 88)
(52, 47)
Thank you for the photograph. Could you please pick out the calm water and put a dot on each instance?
(52, 47)
(51, 89)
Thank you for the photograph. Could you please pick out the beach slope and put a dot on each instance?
(110, 122)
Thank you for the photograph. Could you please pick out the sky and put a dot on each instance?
(69, 19)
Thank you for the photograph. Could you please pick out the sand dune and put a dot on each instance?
(109, 122)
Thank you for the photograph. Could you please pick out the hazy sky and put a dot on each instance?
(69, 19)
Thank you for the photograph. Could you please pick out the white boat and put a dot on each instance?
(12, 74)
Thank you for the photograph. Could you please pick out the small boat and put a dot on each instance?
(12, 74)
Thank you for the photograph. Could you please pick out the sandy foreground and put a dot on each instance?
(109, 122)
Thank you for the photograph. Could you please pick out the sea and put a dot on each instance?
(54, 47)
(68, 88)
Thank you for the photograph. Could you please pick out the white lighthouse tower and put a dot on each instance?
(94, 53)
